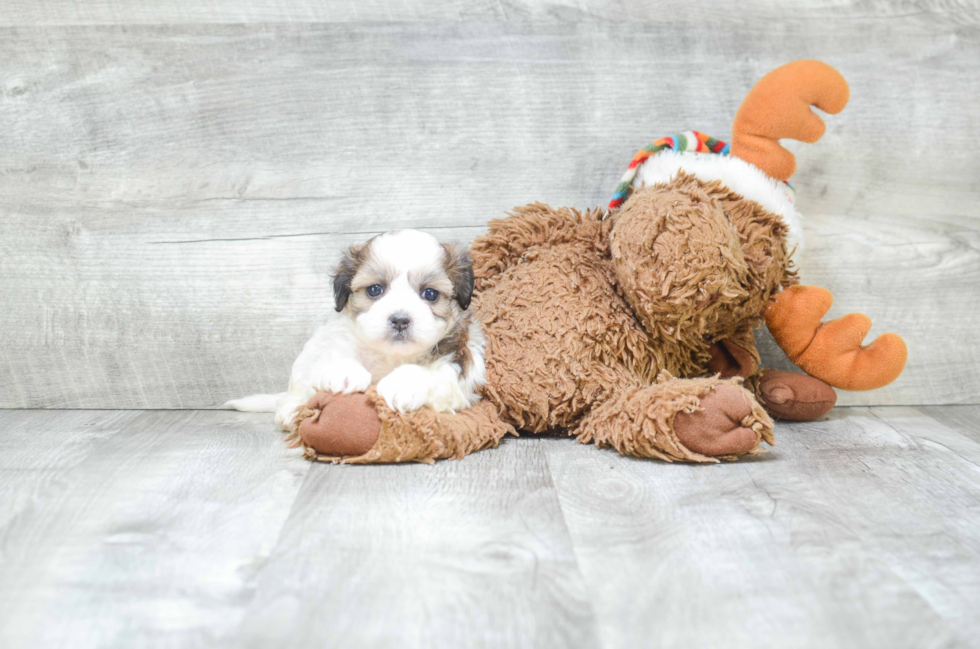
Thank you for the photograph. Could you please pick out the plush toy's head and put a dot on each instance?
(754, 170)
(717, 191)
(662, 296)
(754, 165)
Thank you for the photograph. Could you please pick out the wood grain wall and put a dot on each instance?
(177, 179)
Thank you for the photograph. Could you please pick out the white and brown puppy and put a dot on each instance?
(402, 321)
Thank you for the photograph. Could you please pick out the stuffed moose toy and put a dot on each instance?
(632, 327)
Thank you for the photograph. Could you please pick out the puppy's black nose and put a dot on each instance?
(400, 321)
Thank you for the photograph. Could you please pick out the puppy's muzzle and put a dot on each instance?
(399, 322)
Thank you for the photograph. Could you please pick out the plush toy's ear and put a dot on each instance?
(779, 106)
(459, 270)
(344, 275)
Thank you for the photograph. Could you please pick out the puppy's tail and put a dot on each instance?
(256, 403)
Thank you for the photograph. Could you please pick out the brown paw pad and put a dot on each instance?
(717, 429)
(342, 424)
(795, 397)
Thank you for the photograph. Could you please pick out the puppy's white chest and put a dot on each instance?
(379, 365)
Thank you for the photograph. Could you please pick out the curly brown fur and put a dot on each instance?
(640, 419)
(559, 336)
(763, 239)
(698, 264)
(531, 228)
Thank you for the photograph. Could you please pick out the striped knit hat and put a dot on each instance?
(688, 142)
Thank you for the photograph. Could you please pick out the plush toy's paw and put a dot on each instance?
(406, 388)
(341, 424)
(794, 397)
(725, 425)
(832, 351)
(341, 377)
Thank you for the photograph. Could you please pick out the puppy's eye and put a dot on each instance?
(374, 290)
(430, 295)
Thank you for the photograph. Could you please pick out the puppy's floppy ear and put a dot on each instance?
(344, 275)
(459, 270)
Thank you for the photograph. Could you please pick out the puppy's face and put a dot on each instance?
(404, 291)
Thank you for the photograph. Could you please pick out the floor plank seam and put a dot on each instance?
(575, 552)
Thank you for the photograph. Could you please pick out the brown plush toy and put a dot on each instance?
(632, 328)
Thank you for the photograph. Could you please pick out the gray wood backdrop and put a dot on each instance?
(176, 179)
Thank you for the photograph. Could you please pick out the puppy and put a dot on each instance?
(402, 321)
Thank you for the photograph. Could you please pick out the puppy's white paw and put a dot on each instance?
(406, 388)
(341, 377)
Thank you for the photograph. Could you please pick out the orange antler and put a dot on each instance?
(832, 351)
(779, 106)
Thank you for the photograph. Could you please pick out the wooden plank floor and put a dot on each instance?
(199, 529)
